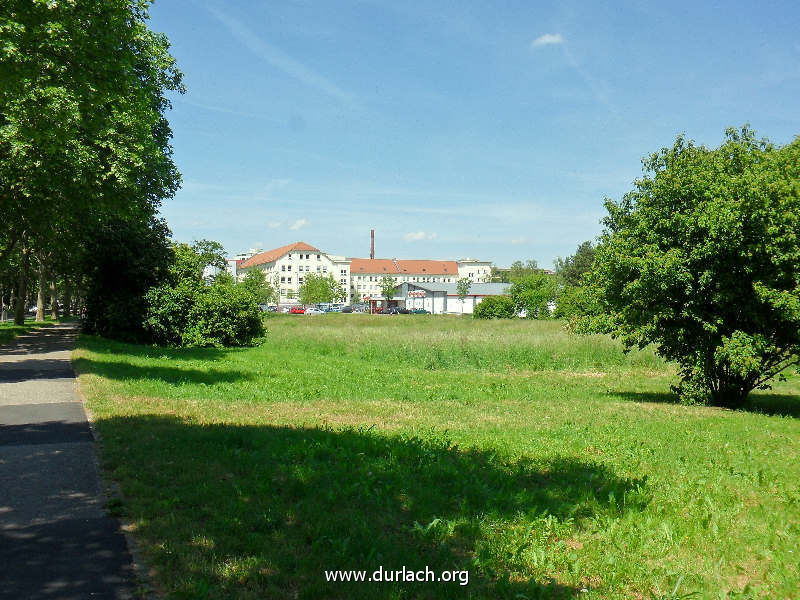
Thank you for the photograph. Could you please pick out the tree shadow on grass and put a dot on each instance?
(181, 371)
(786, 405)
(122, 371)
(263, 512)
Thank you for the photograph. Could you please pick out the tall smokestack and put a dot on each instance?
(372, 243)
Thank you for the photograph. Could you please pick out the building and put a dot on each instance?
(442, 298)
(361, 278)
(286, 267)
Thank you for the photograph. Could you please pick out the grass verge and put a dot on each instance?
(547, 466)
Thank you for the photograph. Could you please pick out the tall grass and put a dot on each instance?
(447, 343)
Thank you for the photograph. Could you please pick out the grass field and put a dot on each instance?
(545, 465)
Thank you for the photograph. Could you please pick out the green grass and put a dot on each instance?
(547, 466)
(9, 331)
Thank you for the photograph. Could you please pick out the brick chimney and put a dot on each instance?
(372, 243)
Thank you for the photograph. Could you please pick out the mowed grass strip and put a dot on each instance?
(358, 442)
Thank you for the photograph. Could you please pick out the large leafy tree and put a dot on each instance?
(83, 133)
(701, 259)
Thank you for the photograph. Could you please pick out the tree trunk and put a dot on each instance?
(2, 304)
(22, 289)
(53, 300)
(40, 295)
(67, 298)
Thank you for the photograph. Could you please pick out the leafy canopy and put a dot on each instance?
(495, 307)
(572, 268)
(534, 294)
(387, 286)
(701, 259)
(463, 286)
(320, 288)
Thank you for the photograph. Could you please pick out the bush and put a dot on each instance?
(495, 307)
(187, 311)
(223, 315)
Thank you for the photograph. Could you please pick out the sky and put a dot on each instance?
(491, 130)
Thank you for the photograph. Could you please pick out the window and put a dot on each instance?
(283, 267)
(289, 256)
(300, 280)
(289, 268)
(283, 279)
(283, 291)
(317, 268)
(308, 256)
(317, 256)
(343, 281)
(343, 272)
(324, 269)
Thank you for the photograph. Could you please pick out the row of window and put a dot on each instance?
(406, 278)
(300, 256)
(285, 268)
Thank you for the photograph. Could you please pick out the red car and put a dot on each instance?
(297, 310)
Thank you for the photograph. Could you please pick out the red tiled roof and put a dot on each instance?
(403, 267)
(428, 267)
(372, 265)
(272, 255)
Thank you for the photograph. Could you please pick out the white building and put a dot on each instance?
(287, 266)
(479, 271)
(442, 298)
(361, 278)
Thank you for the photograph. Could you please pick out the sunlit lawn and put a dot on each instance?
(547, 466)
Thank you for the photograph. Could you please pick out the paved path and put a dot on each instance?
(56, 542)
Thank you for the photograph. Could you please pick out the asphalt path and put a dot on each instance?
(56, 540)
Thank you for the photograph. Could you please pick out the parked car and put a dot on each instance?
(347, 309)
(297, 310)
(398, 310)
(314, 311)
(420, 311)
(267, 308)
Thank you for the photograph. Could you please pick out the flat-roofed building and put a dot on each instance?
(443, 298)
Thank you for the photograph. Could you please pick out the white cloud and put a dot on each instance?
(520, 240)
(547, 39)
(416, 236)
(298, 224)
(274, 224)
(278, 58)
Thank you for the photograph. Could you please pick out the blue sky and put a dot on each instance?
(483, 129)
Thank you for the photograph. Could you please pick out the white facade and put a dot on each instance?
(442, 299)
(287, 267)
(478, 271)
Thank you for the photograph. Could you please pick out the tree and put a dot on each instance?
(387, 285)
(572, 268)
(116, 282)
(521, 269)
(462, 286)
(534, 294)
(212, 254)
(83, 136)
(255, 282)
(700, 259)
(320, 288)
